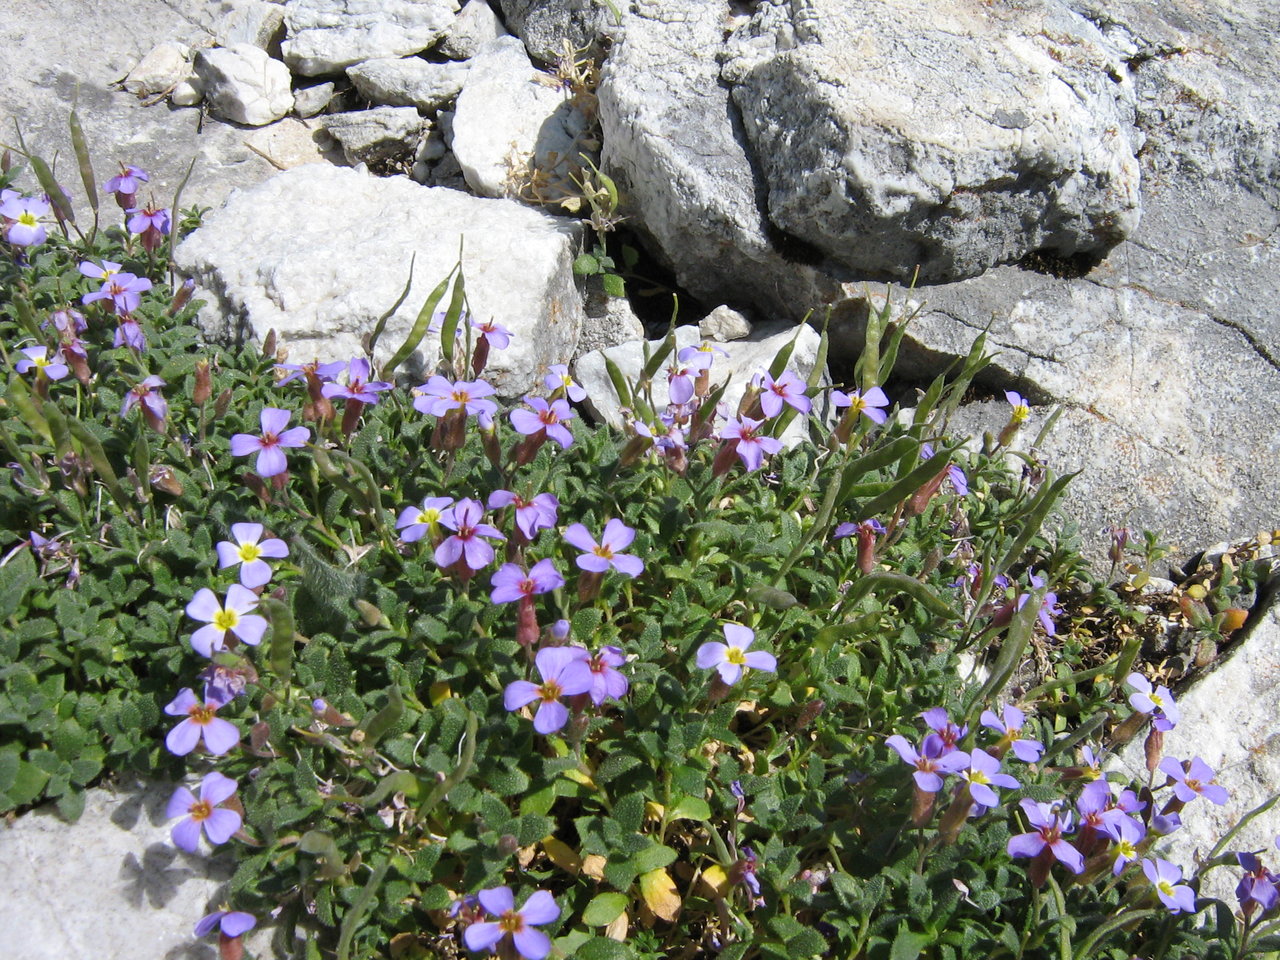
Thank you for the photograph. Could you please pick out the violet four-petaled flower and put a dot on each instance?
(564, 673)
(731, 659)
(544, 417)
(233, 616)
(599, 557)
(931, 761)
(1050, 821)
(248, 550)
(464, 519)
(204, 814)
(1024, 748)
(1157, 701)
(414, 523)
(870, 404)
(1164, 877)
(270, 446)
(201, 723)
(529, 943)
(750, 445)
(511, 583)
(787, 390)
(231, 923)
(1196, 780)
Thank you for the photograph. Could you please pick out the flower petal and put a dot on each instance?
(540, 908)
(532, 944)
(482, 936)
(497, 900)
(183, 738)
(186, 835)
(221, 825)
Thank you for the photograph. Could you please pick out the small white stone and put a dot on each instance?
(186, 94)
(163, 67)
(723, 324)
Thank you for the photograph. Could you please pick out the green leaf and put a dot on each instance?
(585, 265)
(16, 578)
(690, 808)
(614, 286)
(654, 857)
(382, 320)
(604, 909)
(419, 328)
(386, 718)
(283, 637)
(908, 945)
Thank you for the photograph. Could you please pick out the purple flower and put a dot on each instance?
(125, 186)
(1049, 607)
(24, 213)
(558, 378)
(322, 372)
(1195, 781)
(870, 404)
(750, 447)
(538, 513)
(438, 396)
(529, 943)
(358, 386)
(731, 659)
(510, 582)
(937, 720)
(218, 824)
(545, 418)
(269, 447)
(865, 527)
(930, 761)
(1257, 888)
(497, 335)
(787, 390)
(1050, 821)
(231, 923)
(38, 359)
(124, 290)
(465, 544)
(564, 673)
(1158, 702)
(248, 550)
(959, 481)
(1125, 833)
(982, 774)
(414, 523)
(599, 557)
(1026, 750)
(607, 680)
(219, 735)
(150, 224)
(147, 393)
(233, 617)
(1164, 877)
(67, 321)
(129, 334)
(682, 379)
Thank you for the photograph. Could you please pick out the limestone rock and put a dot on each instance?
(876, 153)
(679, 157)
(610, 320)
(255, 22)
(408, 82)
(1239, 744)
(186, 94)
(327, 36)
(546, 26)
(308, 101)
(383, 133)
(123, 841)
(330, 253)
(163, 68)
(474, 26)
(745, 359)
(508, 121)
(244, 85)
(723, 324)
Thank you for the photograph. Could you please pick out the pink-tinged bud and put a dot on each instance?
(866, 548)
(480, 358)
(164, 480)
(528, 448)
(203, 389)
(726, 457)
(1154, 749)
(508, 844)
(181, 298)
(749, 406)
(230, 948)
(6, 161)
(921, 806)
(221, 404)
(589, 586)
(953, 819)
(269, 344)
(351, 416)
(526, 622)
(809, 713)
(492, 448)
(920, 499)
(635, 448)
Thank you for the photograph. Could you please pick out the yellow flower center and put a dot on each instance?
(1020, 413)
(1165, 887)
(200, 810)
(250, 552)
(201, 715)
(226, 619)
(511, 922)
(550, 691)
(1156, 699)
(431, 516)
(977, 776)
(27, 219)
(736, 656)
(603, 551)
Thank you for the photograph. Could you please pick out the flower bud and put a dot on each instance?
(203, 389)
(221, 404)
(182, 296)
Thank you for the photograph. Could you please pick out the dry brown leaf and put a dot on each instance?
(659, 892)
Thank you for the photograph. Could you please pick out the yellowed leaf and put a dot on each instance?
(577, 776)
(659, 892)
(593, 866)
(654, 811)
(715, 881)
(439, 692)
(562, 855)
(617, 929)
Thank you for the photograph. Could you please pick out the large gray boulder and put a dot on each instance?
(546, 26)
(673, 143)
(408, 82)
(894, 137)
(327, 36)
(318, 253)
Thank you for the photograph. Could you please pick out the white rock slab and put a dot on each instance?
(507, 117)
(1229, 721)
(408, 81)
(254, 22)
(111, 886)
(327, 36)
(378, 134)
(244, 85)
(475, 26)
(163, 68)
(318, 253)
